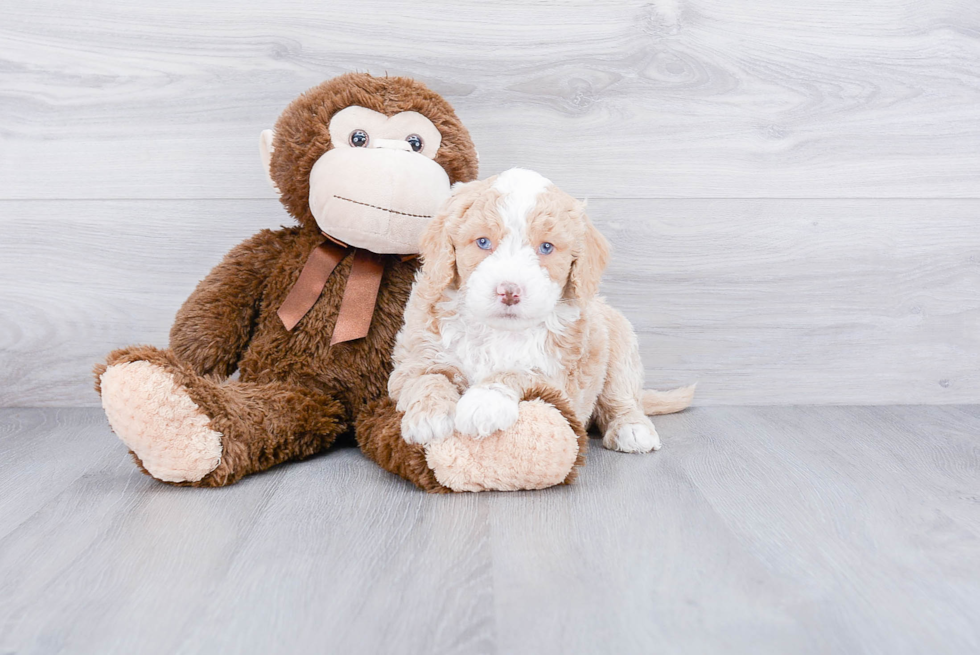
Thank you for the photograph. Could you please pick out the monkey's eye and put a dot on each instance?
(415, 141)
(358, 138)
(546, 248)
(483, 243)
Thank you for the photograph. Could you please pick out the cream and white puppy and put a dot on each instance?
(506, 301)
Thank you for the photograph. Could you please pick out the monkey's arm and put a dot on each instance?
(214, 325)
(521, 382)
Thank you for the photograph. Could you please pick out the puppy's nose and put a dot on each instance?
(509, 293)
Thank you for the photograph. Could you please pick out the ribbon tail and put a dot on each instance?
(360, 296)
(308, 287)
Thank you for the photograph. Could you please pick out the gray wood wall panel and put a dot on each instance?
(673, 98)
(761, 301)
(791, 186)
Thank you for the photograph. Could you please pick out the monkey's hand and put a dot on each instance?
(213, 327)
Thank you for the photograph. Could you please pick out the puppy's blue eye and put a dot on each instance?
(546, 248)
(483, 243)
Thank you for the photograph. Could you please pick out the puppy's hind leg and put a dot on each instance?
(619, 410)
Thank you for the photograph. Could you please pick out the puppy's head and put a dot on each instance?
(514, 246)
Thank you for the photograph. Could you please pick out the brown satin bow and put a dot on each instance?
(360, 294)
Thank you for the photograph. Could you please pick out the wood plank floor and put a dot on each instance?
(755, 530)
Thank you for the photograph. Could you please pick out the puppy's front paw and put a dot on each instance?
(632, 438)
(424, 423)
(482, 411)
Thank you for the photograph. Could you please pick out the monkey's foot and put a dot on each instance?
(540, 450)
(155, 417)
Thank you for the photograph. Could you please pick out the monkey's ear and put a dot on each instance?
(265, 150)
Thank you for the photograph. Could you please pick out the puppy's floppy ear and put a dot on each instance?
(436, 246)
(589, 261)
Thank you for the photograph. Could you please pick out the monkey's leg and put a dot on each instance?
(187, 429)
(379, 434)
(545, 447)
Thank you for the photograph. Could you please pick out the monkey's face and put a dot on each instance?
(378, 187)
(368, 160)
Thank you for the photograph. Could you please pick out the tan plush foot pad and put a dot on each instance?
(159, 422)
(537, 452)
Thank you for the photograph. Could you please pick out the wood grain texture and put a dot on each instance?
(803, 530)
(802, 301)
(636, 99)
(83, 278)
(769, 529)
(760, 301)
(34, 468)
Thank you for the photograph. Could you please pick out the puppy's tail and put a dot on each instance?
(667, 402)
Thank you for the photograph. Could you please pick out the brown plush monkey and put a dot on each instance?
(308, 314)
(366, 159)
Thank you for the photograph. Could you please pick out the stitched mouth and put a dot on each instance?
(384, 209)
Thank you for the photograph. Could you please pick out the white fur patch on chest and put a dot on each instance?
(479, 350)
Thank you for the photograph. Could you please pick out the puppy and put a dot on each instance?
(506, 301)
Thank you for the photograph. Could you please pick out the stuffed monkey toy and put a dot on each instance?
(308, 314)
